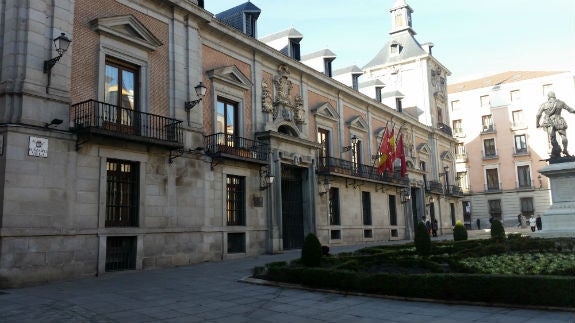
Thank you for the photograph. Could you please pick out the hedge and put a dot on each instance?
(553, 291)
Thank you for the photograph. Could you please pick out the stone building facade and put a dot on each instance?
(110, 161)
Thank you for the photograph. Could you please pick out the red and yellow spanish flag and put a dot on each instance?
(391, 151)
(383, 153)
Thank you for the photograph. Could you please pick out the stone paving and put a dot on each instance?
(213, 292)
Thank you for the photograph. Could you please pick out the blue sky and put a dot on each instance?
(470, 37)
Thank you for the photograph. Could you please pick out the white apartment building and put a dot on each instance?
(500, 149)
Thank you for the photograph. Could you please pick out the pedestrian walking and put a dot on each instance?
(434, 227)
(519, 220)
(478, 221)
(532, 223)
(538, 222)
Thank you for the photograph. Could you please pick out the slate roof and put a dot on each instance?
(353, 69)
(498, 79)
(410, 48)
(234, 16)
(320, 53)
(376, 82)
(289, 33)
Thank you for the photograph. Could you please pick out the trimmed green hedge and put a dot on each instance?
(557, 291)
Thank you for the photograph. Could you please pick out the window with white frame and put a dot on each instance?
(520, 144)
(492, 179)
(517, 117)
(455, 105)
(514, 96)
(489, 149)
(457, 126)
(487, 122)
(484, 101)
(524, 176)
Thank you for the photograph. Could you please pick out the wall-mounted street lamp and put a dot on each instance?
(540, 181)
(324, 186)
(405, 194)
(351, 147)
(200, 93)
(266, 178)
(54, 122)
(61, 43)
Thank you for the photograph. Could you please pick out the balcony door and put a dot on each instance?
(227, 122)
(120, 95)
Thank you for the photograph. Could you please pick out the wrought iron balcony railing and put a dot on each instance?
(445, 128)
(335, 166)
(105, 119)
(454, 190)
(434, 187)
(226, 145)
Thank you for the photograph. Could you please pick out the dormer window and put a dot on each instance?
(394, 49)
(327, 66)
(355, 81)
(294, 49)
(378, 97)
(250, 21)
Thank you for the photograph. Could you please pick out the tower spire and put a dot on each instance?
(401, 17)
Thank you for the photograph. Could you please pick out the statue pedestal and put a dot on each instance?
(559, 219)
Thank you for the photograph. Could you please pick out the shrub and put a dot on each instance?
(422, 240)
(311, 251)
(497, 231)
(459, 232)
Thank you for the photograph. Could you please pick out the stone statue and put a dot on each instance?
(554, 123)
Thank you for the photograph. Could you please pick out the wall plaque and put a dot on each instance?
(38, 147)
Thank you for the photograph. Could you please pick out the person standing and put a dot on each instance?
(434, 227)
(478, 221)
(538, 222)
(532, 223)
(519, 220)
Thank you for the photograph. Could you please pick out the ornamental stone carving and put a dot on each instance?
(283, 86)
(267, 101)
(283, 106)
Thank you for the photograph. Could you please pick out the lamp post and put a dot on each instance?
(61, 44)
(200, 93)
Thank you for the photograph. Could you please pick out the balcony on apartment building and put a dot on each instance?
(453, 190)
(488, 129)
(489, 154)
(521, 152)
(518, 125)
(492, 187)
(222, 145)
(434, 187)
(345, 168)
(93, 117)
(526, 185)
(458, 132)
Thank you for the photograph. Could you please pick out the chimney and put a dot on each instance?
(427, 47)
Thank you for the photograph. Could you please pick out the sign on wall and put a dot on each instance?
(38, 147)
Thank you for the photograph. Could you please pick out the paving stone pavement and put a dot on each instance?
(213, 292)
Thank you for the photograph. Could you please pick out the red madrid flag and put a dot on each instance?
(400, 153)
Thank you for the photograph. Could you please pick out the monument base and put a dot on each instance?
(559, 219)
